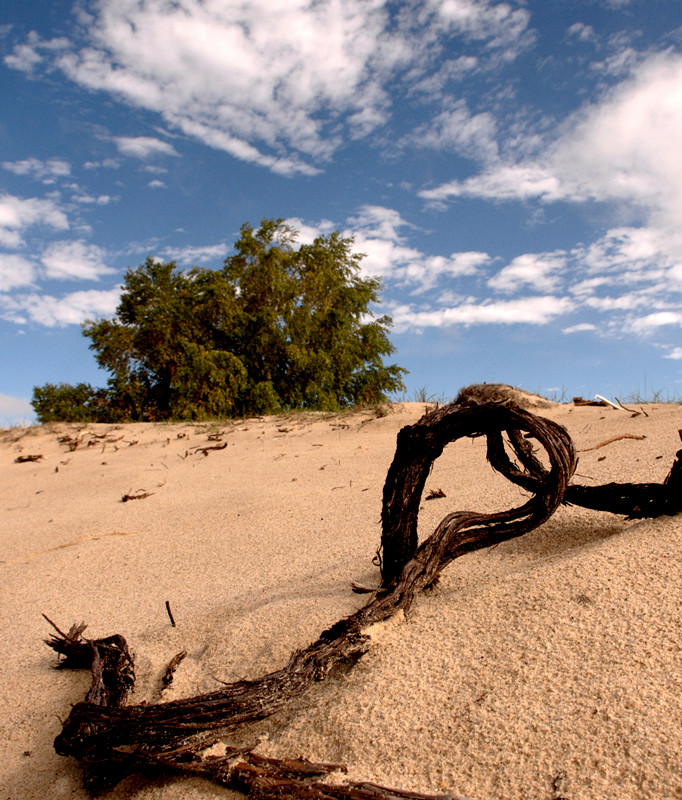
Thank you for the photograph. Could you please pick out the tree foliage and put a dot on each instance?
(279, 327)
(62, 402)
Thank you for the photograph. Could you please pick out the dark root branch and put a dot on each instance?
(112, 740)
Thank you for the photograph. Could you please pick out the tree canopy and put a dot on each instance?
(281, 326)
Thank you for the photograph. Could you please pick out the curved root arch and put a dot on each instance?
(421, 444)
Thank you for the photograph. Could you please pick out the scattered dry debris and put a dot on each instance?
(25, 459)
(579, 401)
(434, 494)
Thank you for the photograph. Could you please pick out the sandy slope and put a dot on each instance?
(548, 667)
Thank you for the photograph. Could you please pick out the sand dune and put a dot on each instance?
(546, 667)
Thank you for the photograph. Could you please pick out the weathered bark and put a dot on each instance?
(111, 740)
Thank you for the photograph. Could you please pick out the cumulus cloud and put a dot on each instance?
(527, 310)
(276, 83)
(377, 233)
(25, 57)
(144, 147)
(17, 214)
(658, 319)
(71, 309)
(537, 270)
(15, 271)
(75, 260)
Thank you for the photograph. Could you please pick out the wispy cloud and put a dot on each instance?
(144, 147)
(282, 85)
(46, 171)
(377, 233)
(624, 148)
(196, 255)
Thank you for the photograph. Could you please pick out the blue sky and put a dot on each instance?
(512, 171)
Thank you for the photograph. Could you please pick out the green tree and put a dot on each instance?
(62, 402)
(279, 327)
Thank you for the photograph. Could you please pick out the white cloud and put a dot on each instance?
(537, 270)
(15, 271)
(241, 149)
(581, 327)
(504, 182)
(527, 311)
(107, 163)
(87, 199)
(156, 184)
(456, 129)
(25, 57)
(267, 80)
(75, 260)
(658, 319)
(675, 353)
(499, 23)
(47, 171)
(376, 231)
(196, 255)
(582, 32)
(378, 222)
(624, 148)
(144, 147)
(16, 214)
(72, 309)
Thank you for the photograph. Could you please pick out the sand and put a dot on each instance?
(547, 667)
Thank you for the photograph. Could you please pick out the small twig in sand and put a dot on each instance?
(612, 439)
(25, 459)
(139, 495)
(434, 494)
(205, 450)
(172, 666)
(633, 411)
(360, 588)
(170, 614)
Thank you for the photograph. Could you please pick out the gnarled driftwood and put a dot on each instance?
(112, 740)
